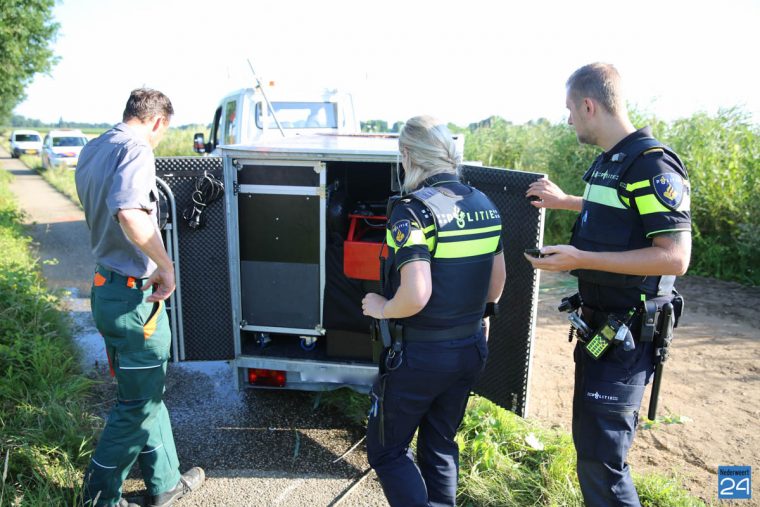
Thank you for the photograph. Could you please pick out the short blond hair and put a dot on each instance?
(600, 82)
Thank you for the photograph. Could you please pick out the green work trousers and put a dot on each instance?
(137, 339)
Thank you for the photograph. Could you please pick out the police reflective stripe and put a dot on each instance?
(605, 196)
(468, 248)
(649, 204)
(468, 232)
(416, 237)
(637, 185)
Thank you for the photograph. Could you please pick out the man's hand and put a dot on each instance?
(372, 305)
(557, 258)
(668, 255)
(164, 282)
(551, 196)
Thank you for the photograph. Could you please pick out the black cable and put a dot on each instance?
(207, 190)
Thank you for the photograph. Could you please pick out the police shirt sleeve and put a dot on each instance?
(133, 180)
(659, 190)
(406, 236)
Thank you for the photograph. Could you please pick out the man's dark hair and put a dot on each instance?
(597, 81)
(144, 103)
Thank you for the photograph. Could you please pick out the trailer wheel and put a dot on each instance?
(263, 340)
(308, 343)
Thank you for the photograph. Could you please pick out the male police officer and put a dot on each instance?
(631, 238)
(116, 183)
(445, 264)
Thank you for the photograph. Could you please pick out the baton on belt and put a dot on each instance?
(662, 342)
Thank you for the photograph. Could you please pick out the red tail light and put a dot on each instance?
(271, 378)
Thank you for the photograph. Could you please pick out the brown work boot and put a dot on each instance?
(189, 481)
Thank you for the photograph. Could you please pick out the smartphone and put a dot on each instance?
(534, 252)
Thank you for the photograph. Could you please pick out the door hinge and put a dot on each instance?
(235, 187)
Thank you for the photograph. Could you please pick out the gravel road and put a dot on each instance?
(257, 447)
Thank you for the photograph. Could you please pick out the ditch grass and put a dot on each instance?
(46, 429)
(508, 461)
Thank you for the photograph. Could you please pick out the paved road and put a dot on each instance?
(257, 447)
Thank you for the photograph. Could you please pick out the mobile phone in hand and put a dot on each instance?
(534, 252)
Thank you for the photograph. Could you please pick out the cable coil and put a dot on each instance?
(207, 190)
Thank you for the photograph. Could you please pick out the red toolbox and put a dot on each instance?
(364, 246)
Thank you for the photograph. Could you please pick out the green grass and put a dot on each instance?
(178, 142)
(45, 426)
(508, 461)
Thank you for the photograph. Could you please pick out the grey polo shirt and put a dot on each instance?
(117, 171)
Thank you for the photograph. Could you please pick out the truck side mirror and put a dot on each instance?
(199, 143)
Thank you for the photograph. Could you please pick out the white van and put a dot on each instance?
(25, 142)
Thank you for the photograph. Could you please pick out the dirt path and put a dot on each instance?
(712, 382)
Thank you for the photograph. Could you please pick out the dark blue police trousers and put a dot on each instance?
(606, 404)
(427, 392)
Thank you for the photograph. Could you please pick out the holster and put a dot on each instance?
(652, 319)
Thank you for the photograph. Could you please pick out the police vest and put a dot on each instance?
(465, 236)
(609, 221)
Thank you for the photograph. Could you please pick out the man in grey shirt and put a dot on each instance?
(116, 183)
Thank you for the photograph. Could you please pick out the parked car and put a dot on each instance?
(25, 142)
(61, 148)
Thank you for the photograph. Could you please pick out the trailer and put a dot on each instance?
(273, 276)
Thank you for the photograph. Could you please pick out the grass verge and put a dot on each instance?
(45, 427)
(508, 461)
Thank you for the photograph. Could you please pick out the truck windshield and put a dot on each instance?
(298, 115)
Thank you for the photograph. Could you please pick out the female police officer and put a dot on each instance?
(445, 264)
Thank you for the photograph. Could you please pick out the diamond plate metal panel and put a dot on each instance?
(203, 262)
(505, 380)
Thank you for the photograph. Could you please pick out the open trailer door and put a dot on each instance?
(200, 309)
(505, 380)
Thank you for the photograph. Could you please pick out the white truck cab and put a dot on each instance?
(246, 117)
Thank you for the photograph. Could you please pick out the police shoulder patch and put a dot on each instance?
(669, 189)
(400, 232)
